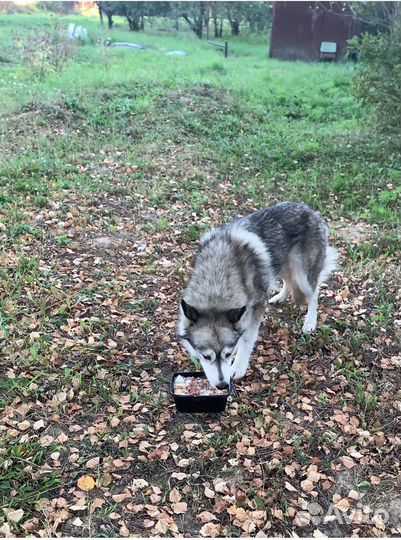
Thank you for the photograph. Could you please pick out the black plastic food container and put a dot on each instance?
(199, 404)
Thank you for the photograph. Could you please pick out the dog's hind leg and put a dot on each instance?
(328, 264)
(311, 315)
(305, 287)
(282, 295)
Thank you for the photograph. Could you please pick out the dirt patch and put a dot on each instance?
(354, 233)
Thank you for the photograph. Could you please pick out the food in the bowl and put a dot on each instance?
(195, 386)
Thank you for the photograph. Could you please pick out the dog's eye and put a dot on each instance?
(207, 357)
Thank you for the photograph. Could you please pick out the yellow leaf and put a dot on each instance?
(86, 483)
(342, 505)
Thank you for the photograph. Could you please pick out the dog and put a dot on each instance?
(235, 268)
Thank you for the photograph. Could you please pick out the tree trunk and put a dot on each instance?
(109, 20)
(196, 26)
(200, 28)
(221, 29)
(134, 24)
(235, 27)
(216, 28)
(100, 13)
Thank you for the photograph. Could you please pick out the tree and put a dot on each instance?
(378, 16)
(377, 81)
(194, 14)
(135, 12)
(217, 15)
(235, 13)
(110, 9)
(258, 15)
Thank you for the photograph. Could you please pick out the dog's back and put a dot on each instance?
(232, 268)
(286, 226)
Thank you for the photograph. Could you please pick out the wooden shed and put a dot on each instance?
(312, 31)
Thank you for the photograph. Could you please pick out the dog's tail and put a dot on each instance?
(330, 263)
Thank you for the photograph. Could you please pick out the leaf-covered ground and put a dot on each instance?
(101, 207)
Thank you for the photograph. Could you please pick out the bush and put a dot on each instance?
(44, 51)
(378, 78)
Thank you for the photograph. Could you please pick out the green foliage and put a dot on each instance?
(44, 51)
(60, 8)
(378, 78)
(274, 127)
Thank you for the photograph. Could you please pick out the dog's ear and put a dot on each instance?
(234, 315)
(190, 312)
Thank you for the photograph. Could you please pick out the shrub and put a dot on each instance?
(378, 78)
(44, 51)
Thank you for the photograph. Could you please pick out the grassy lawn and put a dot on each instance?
(109, 172)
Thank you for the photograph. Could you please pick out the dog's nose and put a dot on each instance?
(222, 386)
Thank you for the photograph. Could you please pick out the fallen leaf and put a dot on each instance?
(5, 529)
(179, 475)
(342, 505)
(30, 525)
(24, 425)
(137, 484)
(119, 497)
(319, 534)
(13, 515)
(124, 531)
(307, 486)
(81, 505)
(105, 480)
(347, 462)
(97, 503)
(38, 425)
(180, 507)
(93, 463)
(354, 495)
(174, 496)
(205, 517)
(62, 438)
(86, 483)
(210, 530)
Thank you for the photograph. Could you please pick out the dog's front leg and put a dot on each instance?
(245, 348)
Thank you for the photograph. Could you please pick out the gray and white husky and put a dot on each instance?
(236, 266)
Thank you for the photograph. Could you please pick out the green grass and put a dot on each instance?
(149, 151)
(287, 128)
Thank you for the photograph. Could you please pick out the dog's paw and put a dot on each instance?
(278, 298)
(240, 371)
(309, 327)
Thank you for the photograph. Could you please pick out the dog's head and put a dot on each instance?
(212, 337)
